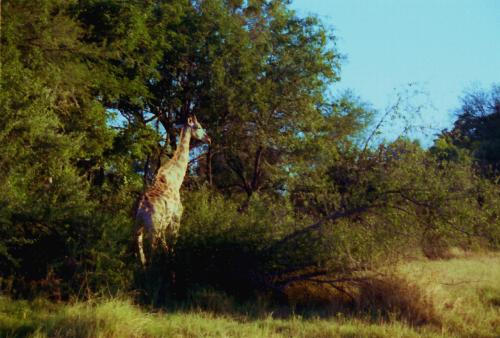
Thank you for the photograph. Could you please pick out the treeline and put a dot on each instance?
(290, 189)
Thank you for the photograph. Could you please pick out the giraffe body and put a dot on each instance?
(160, 209)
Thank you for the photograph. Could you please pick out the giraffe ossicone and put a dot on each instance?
(160, 209)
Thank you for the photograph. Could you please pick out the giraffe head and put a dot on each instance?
(197, 131)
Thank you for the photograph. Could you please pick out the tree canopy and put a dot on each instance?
(476, 128)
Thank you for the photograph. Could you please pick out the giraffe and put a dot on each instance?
(160, 209)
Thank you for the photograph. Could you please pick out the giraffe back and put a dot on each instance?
(159, 212)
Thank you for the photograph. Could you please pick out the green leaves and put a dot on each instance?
(53, 133)
(476, 128)
(92, 91)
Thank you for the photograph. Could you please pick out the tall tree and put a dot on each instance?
(253, 72)
(49, 120)
(66, 179)
(476, 128)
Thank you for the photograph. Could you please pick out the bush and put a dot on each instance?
(395, 296)
(223, 248)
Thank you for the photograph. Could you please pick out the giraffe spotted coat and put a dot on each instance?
(160, 209)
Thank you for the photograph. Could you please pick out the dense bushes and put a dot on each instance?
(222, 247)
(406, 202)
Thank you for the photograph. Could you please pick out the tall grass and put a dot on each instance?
(119, 318)
(465, 294)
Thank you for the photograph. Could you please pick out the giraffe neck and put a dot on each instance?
(172, 173)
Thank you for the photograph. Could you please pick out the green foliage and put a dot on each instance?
(476, 128)
(419, 196)
(290, 190)
(397, 201)
(54, 136)
(226, 249)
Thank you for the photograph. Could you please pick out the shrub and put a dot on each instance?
(224, 248)
(396, 296)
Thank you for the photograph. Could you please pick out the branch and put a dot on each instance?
(317, 226)
(201, 155)
(152, 118)
(463, 282)
(388, 111)
(256, 168)
(303, 277)
(239, 173)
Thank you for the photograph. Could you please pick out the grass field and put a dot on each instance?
(464, 291)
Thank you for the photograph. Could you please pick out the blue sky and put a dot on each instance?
(445, 46)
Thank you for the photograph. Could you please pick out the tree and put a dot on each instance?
(253, 72)
(265, 89)
(476, 128)
(58, 157)
(44, 82)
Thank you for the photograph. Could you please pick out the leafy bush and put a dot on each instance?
(224, 248)
(401, 201)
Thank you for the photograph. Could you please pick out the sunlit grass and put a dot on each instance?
(119, 318)
(465, 291)
(466, 294)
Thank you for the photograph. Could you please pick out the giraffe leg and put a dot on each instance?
(163, 243)
(173, 234)
(140, 245)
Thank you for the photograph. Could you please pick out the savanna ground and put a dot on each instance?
(463, 292)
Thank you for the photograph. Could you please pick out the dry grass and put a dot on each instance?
(378, 298)
(464, 293)
(397, 297)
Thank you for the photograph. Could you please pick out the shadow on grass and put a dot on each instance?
(374, 300)
(377, 301)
